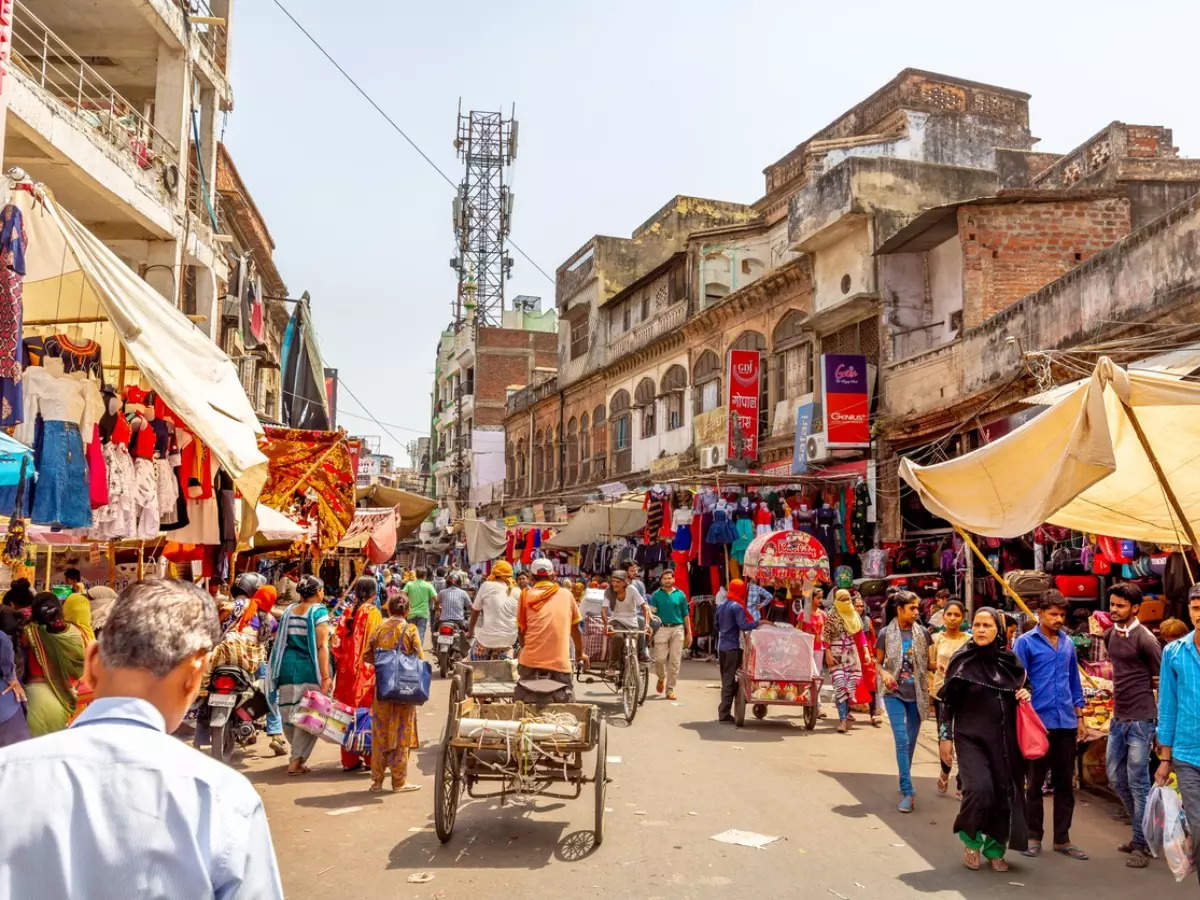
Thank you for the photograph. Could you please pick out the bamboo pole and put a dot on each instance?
(141, 569)
(992, 571)
(49, 558)
(112, 564)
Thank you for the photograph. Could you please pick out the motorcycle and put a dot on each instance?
(232, 711)
(451, 646)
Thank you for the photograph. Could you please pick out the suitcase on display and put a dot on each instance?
(1078, 586)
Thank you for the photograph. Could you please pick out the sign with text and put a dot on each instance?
(804, 423)
(844, 400)
(744, 373)
(709, 427)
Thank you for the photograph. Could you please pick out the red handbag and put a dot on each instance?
(1031, 733)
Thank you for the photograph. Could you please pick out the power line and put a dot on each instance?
(379, 109)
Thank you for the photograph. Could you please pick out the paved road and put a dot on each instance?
(682, 778)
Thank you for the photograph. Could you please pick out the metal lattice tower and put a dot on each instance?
(487, 144)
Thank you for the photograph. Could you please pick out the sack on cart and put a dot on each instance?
(779, 653)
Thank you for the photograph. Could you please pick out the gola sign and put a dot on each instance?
(744, 369)
(844, 400)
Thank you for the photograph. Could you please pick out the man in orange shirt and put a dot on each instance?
(548, 622)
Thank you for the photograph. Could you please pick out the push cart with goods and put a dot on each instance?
(777, 670)
(521, 751)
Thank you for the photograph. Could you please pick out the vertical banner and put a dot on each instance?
(744, 373)
(804, 423)
(331, 395)
(844, 400)
(6, 28)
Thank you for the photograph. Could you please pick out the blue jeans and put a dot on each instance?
(274, 723)
(422, 622)
(1129, 768)
(1189, 786)
(906, 725)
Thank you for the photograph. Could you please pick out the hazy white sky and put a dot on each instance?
(621, 106)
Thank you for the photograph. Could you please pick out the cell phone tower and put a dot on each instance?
(487, 144)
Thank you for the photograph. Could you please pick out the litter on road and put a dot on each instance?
(745, 838)
(343, 810)
(420, 877)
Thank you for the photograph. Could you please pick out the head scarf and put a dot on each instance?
(990, 665)
(737, 592)
(845, 610)
(265, 598)
(78, 611)
(502, 571)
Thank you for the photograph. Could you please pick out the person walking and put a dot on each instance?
(265, 599)
(1136, 656)
(300, 663)
(1053, 669)
(54, 664)
(732, 619)
(393, 724)
(135, 812)
(903, 656)
(941, 650)
(494, 615)
(355, 681)
(1179, 717)
(420, 598)
(840, 636)
(982, 686)
(670, 605)
(867, 649)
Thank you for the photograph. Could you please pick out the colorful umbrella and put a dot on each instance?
(310, 479)
(786, 556)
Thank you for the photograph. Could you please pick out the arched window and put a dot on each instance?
(572, 474)
(706, 382)
(619, 422)
(510, 468)
(643, 399)
(599, 443)
(539, 462)
(752, 340)
(520, 488)
(791, 358)
(674, 384)
(558, 459)
(585, 447)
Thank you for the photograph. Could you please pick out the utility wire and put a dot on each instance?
(379, 109)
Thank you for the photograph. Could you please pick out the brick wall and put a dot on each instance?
(1010, 250)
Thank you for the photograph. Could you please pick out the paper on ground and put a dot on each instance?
(745, 838)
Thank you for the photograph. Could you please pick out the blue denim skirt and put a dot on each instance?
(60, 495)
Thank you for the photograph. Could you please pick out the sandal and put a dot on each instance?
(943, 783)
(376, 787)
(1072, 851)
(1137, 859)
(971, 859)
(999, 865)
(875, 722)
(1034, 849)
(406, 788)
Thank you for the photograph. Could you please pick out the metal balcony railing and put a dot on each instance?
(45, 59)
(202, 200)
(212, 35)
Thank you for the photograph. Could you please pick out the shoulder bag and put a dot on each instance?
(1031, 732)
(401, 677)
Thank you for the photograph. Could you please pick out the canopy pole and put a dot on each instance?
(1166, 485)
(992, 571)
(49, 558)
(141, 565)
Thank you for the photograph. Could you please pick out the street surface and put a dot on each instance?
(682, 778)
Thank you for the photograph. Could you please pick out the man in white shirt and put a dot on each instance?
(135, 812)
(494, 615)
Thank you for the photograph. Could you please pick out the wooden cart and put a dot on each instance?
(510, 755)
(807, 695)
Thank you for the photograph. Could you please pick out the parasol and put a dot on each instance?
(786, 556)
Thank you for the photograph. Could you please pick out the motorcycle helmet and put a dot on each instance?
(247, 584)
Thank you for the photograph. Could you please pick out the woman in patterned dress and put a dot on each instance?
(393, 725)
(839, 635)
(354, 684)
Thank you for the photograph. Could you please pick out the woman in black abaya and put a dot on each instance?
(983, 684)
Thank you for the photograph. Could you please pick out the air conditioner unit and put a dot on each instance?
(713, 456)
(817, 448)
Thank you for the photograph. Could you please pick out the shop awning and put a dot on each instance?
(597, 521)
(1180, 362)
(310, 477)
(1081, 464)
(73, 280)
(373, 531)
(411, 509)
(275, 526)
(485, 541)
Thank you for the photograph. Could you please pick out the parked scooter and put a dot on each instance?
(234, 711)
(452, 645)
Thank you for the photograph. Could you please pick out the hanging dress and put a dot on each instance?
(721, 530)
(745, 534)
(682, 520)
(12, 272)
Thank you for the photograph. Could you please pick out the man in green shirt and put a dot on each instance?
(420, 595)
(670, 605)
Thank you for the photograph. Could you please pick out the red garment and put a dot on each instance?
(195, 469)
(849, 518)
(121, 433)
(527, 553)
(143, 445)
(762, 515)
(814, 624)
(355, 684)
(97, 471)
(510, 546)
(679, 558)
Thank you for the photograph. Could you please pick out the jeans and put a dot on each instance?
(905, 718)
(274, 723)
(1060, 763)
(422, 622)
(1189, 786)
(1129, 768)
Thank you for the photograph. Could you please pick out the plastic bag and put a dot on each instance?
(1166, 830)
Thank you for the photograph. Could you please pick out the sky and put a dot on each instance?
(621, 106)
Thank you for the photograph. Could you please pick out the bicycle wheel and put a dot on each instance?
(630, 687)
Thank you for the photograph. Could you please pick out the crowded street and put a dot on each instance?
(682, 778)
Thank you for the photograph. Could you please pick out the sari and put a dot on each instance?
(51, 692)
(355, 676)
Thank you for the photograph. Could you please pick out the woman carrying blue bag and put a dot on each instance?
(400, 671)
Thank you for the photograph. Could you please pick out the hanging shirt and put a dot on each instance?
(58, 398)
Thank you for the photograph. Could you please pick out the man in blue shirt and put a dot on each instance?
(1179, 717)
(732, 620)
(1053, 672)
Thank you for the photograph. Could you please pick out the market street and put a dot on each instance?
(681, 778)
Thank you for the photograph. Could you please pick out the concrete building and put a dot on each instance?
(116, 107)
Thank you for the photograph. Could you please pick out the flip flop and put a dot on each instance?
(999, 865)
(406, 789)
(1034, 849)
(971, 859)
(1072, 851)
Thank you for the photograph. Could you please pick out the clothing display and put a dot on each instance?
(117, 519)
(69, 406)
(12, 272)
(81, 356)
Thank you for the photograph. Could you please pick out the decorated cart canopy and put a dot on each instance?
(786, 556)
(311, 480)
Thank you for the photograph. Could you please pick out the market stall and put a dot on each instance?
(311, 479)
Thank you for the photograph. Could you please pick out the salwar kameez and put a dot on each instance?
(393, 725)
(846, 670)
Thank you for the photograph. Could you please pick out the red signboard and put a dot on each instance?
(845, 401)
(744, 372)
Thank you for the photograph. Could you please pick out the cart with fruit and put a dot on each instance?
(778, 669)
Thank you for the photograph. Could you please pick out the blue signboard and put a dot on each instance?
(804, 417)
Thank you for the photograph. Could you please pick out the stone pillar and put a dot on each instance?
(172, 102)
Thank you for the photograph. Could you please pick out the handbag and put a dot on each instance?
(1031, 733)
(358, 735)
(402, 678)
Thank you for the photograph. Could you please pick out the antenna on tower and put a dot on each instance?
(482, 212)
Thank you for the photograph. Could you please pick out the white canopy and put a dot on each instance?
(596, 521)
(275, 526)
(72, 277)
(1080, 464)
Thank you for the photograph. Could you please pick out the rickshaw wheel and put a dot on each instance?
(810, 713)
(601, 781)
(446, 790)
(645, 685)
(739, 704)
(630, 687)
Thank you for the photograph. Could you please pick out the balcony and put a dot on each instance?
(642, 335)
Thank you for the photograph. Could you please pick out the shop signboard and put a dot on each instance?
(844, 400)
(804, 421)
(709, 427)
(744, 372)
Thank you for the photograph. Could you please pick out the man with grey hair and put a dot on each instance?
(136, 813)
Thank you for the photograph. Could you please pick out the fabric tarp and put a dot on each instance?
(305, 404)
(592, 523)
(275, 526)
(411, 509)
(71, 276)
(485, 541)
(373, 531)
(1080, 464)
(311, 479)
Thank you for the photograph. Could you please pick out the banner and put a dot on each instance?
(744, 366)
(804, 423)
(709, 427)
(844, 400)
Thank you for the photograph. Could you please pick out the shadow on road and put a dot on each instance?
(728, 733)
(486, 838)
